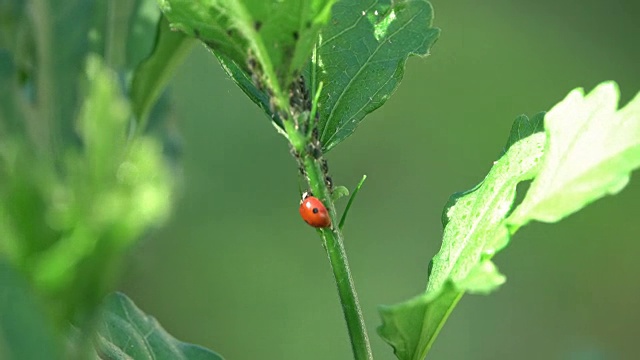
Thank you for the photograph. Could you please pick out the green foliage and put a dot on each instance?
(587, 151)
(474, 231)
(523, 127)
(82, 180)
(351, 199)
(153, 74)
(126, 332)
(278, 35)
(339, 192)
(77, 187)
(69, 228)
(592, 149)
(23, 321)
(411, 327)
(361, 58)
(143, 34)
(63, 41)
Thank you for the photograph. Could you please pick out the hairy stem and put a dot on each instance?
(333, 242)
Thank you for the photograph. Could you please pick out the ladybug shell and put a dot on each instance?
(314, 213)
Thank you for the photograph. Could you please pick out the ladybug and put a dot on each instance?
(313, 212)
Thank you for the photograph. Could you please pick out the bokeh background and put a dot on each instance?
(238, 271)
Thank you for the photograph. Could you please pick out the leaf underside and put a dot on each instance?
(474, 231)
(277, 35)
(587, 150)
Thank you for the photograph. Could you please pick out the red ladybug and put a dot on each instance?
(313, 212)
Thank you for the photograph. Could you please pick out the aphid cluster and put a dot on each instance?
(300, 105)
(300, 102)
(311, 208)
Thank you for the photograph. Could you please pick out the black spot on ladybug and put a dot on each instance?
(315, 210)
(296, 35)
(257, 25)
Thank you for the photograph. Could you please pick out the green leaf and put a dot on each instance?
(338, 192)
(411, 327)
(592, 149)
(351, 200)
(474, 231)
(25, 332)
(153, 74)
(523, 127)
(142, 37)
(587, 151)
(482, 279)
(63, 25)
(475, 228)
(105, 195)
(279, 35)
(123, 31)
(117, 17)
(361, 59)
(243, 80)
(128, 333)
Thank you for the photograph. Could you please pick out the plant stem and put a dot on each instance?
(334, 245)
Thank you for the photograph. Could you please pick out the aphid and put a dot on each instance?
(329, 182)
(313, 212)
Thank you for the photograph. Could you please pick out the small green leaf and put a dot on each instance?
(153, 73)
(143, 32)
(523, 127)
(350, 202)
(339, 192)
(592, 149)
(361, 59)
(128, 333)
(411, 327)
(25, 332)
(279, 35)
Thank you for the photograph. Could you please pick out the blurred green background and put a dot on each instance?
(238, 271)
